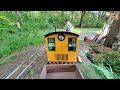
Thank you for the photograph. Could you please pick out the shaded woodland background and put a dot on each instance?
(19, 29)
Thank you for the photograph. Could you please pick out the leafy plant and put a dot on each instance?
(97, 71)
(32, 72)
(89, 56)
(112, 61)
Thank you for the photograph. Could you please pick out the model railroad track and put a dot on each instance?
(36, 68)
(24, 66)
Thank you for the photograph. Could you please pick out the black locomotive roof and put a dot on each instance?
(59, 32)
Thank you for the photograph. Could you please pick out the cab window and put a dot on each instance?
(51, 44)
(71, 44)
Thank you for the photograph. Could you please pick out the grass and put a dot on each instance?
(10, 42)
(32, 72)
(93, 71)
(7, 59)
(89, 72)
(78, 30)
(84, 30)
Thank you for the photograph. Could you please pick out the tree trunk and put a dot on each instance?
(114, 29)
(81, 18)
(104, 32)
(19, 19)
(108, 22)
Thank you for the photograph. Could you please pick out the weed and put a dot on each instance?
(32, 72)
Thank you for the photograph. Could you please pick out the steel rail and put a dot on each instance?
(22, 64)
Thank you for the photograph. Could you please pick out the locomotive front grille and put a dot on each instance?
(61, 56)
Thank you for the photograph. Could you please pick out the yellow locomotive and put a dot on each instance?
(62, 47)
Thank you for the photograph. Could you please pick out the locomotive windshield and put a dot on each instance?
(71, 44)
(51, 44)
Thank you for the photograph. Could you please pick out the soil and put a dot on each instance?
(98, 54)
(37, 67)
(102, 48)
(7, 68)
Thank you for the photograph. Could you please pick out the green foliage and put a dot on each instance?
(5, 60)
(18, 40)
(4, 50)
(89, 56)
(93, 71)
(89, 72)
(111, 62)
(101, 22)
(76, 19)
(32, 32)
(90, 20)
(57, 19)
(106, 73)
(113, 58)
(35, 24)
(94, 49)
(36, 20)
(32, 72)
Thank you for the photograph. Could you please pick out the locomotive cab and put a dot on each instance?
(62, 46)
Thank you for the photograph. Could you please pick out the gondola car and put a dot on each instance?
(62, 47)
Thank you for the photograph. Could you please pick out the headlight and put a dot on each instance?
(61, 37)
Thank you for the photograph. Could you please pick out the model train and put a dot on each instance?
(62, 47)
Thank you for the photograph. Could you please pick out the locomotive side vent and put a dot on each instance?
(61, 56)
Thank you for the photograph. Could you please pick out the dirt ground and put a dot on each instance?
(102, 49)
(21, 56)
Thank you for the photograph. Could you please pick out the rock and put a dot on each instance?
(116, 45)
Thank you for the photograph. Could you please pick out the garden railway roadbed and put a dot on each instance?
(20, 57)
(10, 70)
